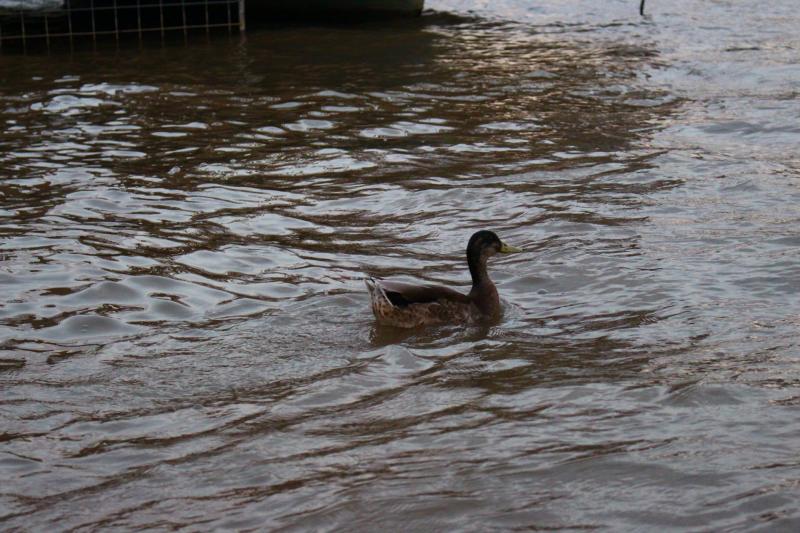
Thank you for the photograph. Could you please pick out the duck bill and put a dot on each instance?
(506, 249)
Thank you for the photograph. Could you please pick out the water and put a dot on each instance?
(30, 5)
(186, 341)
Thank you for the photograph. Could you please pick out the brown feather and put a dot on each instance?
(405, 305)
(405, 293)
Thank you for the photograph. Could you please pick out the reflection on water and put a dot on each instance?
(185, 339)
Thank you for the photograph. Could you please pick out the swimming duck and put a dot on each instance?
(406, 305)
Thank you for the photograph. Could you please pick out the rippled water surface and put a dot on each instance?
(186, 340)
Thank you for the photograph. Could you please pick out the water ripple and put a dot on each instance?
(185, 338)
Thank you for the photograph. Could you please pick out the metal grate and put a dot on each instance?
(93, 19)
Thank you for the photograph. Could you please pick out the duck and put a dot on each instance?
(409, 305)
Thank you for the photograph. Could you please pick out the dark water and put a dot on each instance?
(186, 342)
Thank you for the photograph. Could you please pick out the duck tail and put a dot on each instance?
(372, 285)
(376, 292)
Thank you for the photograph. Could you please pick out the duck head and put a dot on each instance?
(483, 245)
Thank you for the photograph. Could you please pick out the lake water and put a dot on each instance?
(186, 340)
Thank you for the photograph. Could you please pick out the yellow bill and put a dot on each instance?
(506, 249)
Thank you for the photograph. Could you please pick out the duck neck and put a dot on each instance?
(477, 269)
(483, 293)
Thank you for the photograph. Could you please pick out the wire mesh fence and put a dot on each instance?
(69, 21)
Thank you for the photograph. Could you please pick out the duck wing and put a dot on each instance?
(404, 294)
